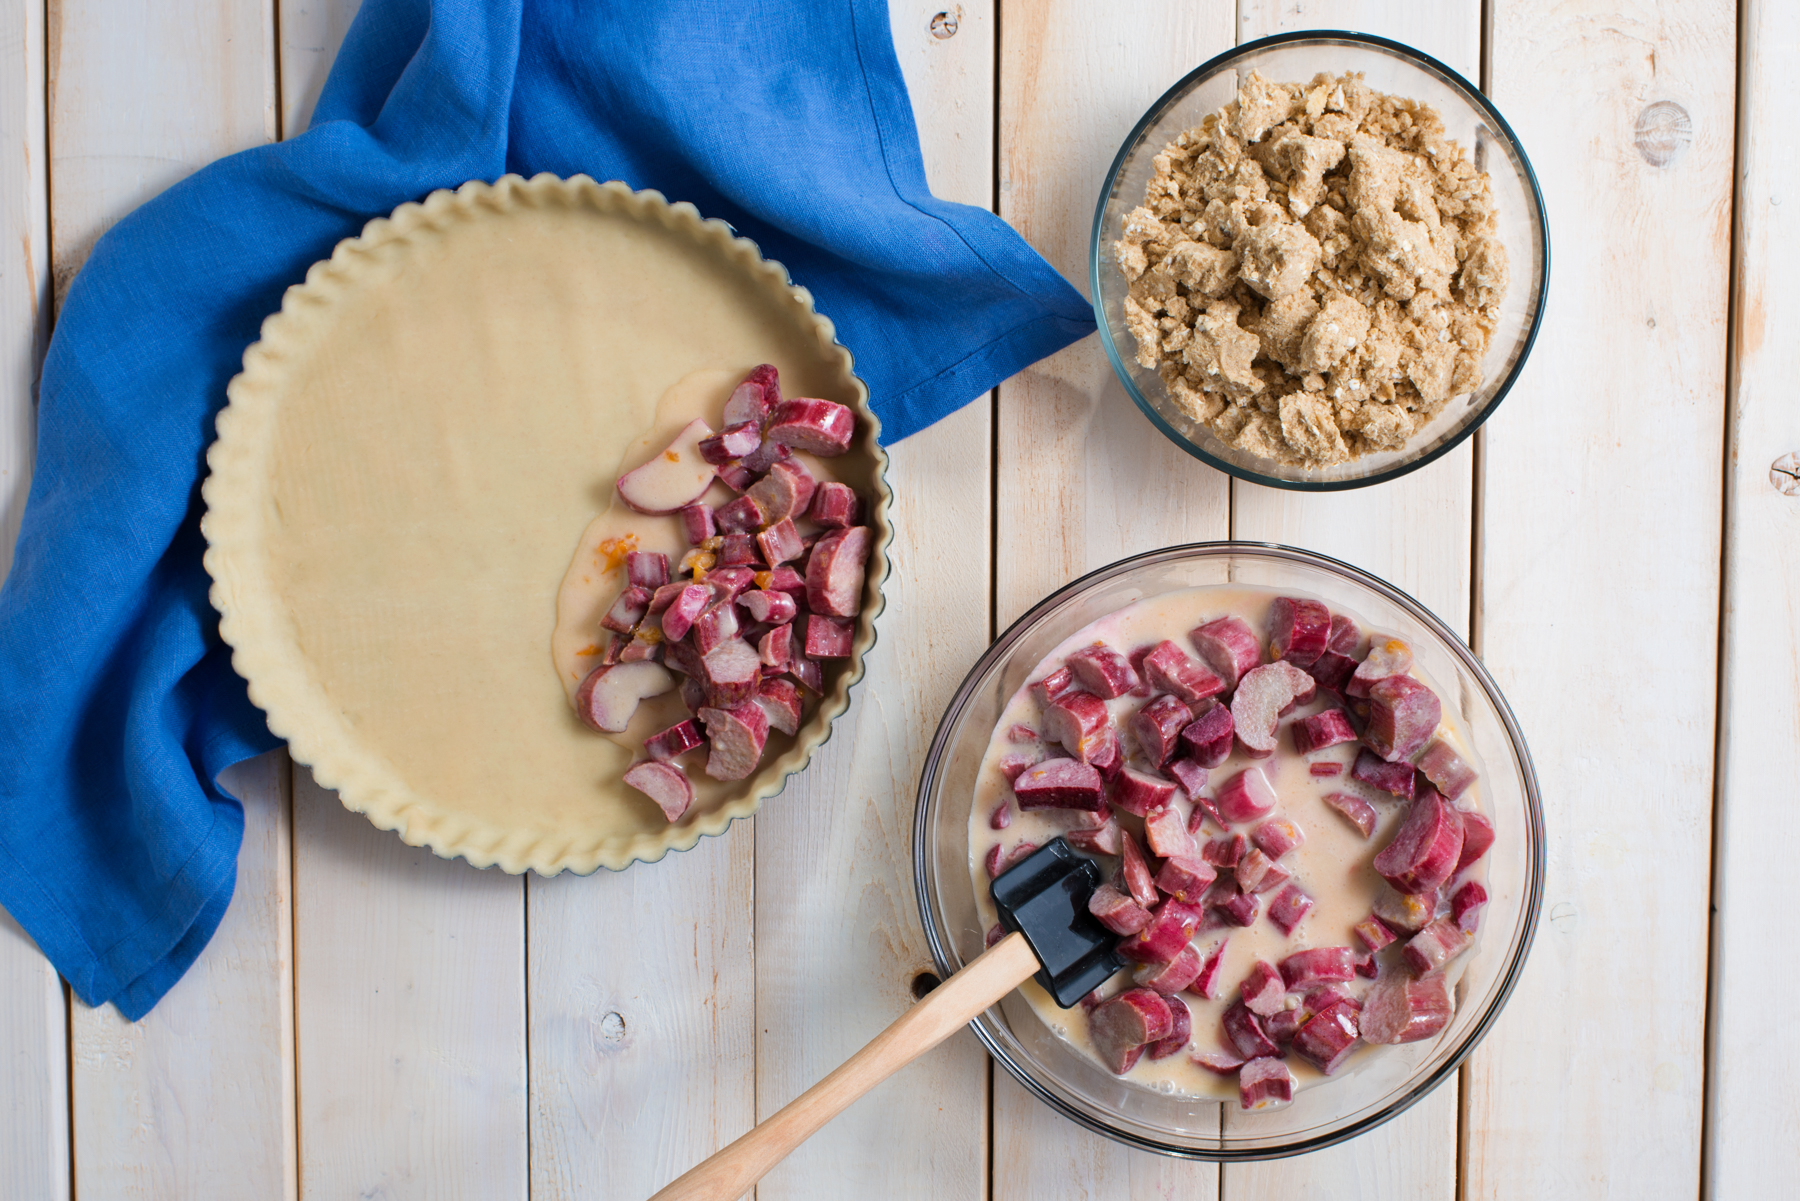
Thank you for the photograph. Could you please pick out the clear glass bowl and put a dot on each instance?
(1374, 1085)
(1388, 67)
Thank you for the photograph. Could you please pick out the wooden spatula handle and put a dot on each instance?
(730, 1172)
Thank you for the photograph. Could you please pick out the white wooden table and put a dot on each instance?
(374, 1022)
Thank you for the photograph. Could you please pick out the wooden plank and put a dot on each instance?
(1600, 576)
(34, 1074)
(1415, 532)
(1753, 1101)
(311, 32)
(409, 1004)
(1084, 478)
(197, 1098)
(838, 939)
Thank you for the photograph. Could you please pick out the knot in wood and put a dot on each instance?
(612, 1027)
(1784, 473)
(1663, 132)
(944, 24)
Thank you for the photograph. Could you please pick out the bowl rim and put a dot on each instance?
(1534, 842)
(1218, 63)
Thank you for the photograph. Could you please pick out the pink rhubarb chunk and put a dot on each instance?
(1245, 1033)
(1298, 630)
(1166, 832)
(1228, 646)
(780, 542)
(1334, 668)
(826, 637)
(1355, 810)
(663, 783)
(731, 672)
(835, 570)
(1103, 671)
(823, 427)
(697, 523)
(1136, 792)
(1317, 965)
(1263, 1084)
(1208, 738)
(1245, 796)
(1000, 858)
(647, 569)
(1104, 839)
(1167, 668)
(1262, 696)
(1172, 924)
(1060, 784)
(629, 609)
(674, 477)
(1445, 769)
(1212, 964)
(1225, 851)
(1478, 836)
(1399, 1010)
(834, 506)
(1405, 912)
(1403, 715)
(1173, 976)
(1289, 907)
(1434, 946)
(1192, 778)
(1425, 849)
(1466, 904)
(1387, 658)
(1116, 911)
(1327, 728)
(753, 399)
(673, 742)
(1263, 992)
(1052, 686)
(780, 701)
(1374, 933)
(1121, 1027)
(609, 695)
(787, 491)
(1219, 1063)
(737, 736)
(1185, 878)
(1079, 721)
(1397, 779)
(688, 604)
(732, 442)
(1328, 1038)
(1157, 728)
(1277, 836)
(1179, 1032)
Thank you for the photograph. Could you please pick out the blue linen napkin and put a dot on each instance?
(118, 705)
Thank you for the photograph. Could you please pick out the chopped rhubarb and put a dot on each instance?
(1060, 784)
(809, 673)
(1256, 872)
(785, 492)
(1317, 965)
(1140, 882)
(1172, 924)
(1001, 817)
(1284, 1025)
(1245, 796)
(1157, 728)
(741, 516)
(731, 672)
(629, 609)
(1224, 851)
(826, 637)
(1208, 738)
(1108, 758)
(780, 700)
(1334, 667)
(737, 736)
(1166, 832)
(1244, 1032)
(1219, 1062)
(697, 523)
(1289, 908)
(1399, 1010)
(1425, 849)
(753, 399)
(1327, 1039)
(1102, 670)
(1367, 966)
(1179, 1032)
(1478, 836)
(717, 624)
(1104, 839)
(1403, 715)
(673, 742)
(820, 426)
(647, 569)
(1262, 696)
(1395, 778)
(782, 578)
(1374, 933)
(1079, 721)
(1168, 668)
(1173, 976)
(1185, 878)
(1228, 646)
(1121, 1027)
(736, 476)
(732, 442)
(1387, 658)
(1021, 733)
(609, 695)
(1000, 858)
(663, 783)
(663, 597)
(1355, 810)
(674, 477)
(1240, 908)
(1277, 836)
(1116, 911)
(834, 506)
(1434, 946)
(1298, 630)
(780, 542)
(835, 570)
(1326, 769)
(1212, 964)
(762, 459)
(1323, 729)
(1406, 913)
(1264, 1084)
(729, 582)
(1262, 990)
(1466, 904)
(1136, 792)
(776, 647)
(644, 643)
(1192, 778)
(1445, 769)
(1052, 686)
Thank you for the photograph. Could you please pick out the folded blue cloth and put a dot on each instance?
(118, 705)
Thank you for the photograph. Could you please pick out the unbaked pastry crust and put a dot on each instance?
(400, 468)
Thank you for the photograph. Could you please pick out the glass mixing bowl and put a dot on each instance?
(1388, 67)
(1375, 1084)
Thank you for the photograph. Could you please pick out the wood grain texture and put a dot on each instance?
(143, 94)
(311, 32)
(1084, 478)
(838, 939)
(1600, 572)
(409, 1003)
(1753, 1068)
(34, 1077)
(1415, 532)
(197, 1098)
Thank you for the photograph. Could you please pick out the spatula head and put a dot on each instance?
(1046, 896)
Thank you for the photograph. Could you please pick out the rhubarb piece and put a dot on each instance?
(1387, 659)
(1116, 911)
(1323, 729)
(1179, 1032)
(663, 783)
(1019, 732)
(1262, 990)
(1079, 721)
(717, 624)
(1121, 1027)
(776, 647)
(1281, 1027)
(1328, 1038)
(673, 742)
(1135, 792)
(1060, 784)
(764, 457)
(1262, 696)
(1327, 769)
(820, 426)
(731, 672)
(1052, 686)
(1445, 769)
(782, 578)
(1245, 796)
(1399, 1010)
(629, 609)
(1299, 630)
(1425, 849)
(1229, 647)
(786, 492)
(1224, 851)
(835, 506)
(736, 476)
(753, 399)
(1157, 728)
(1367, 966)
(1207, 983)
(1478, 836)
(737, 550)
(1277, 836)
(1403, 912)
(1317, 965)
(1239, 909)
(780, 701)
(834, 572)
(693, 692)
(1172, 924)
(1264, 1084)
(728, 583)
(1289, 908)
(1374, 933)
(682, 657)
(1167, 668)
(1205, 807)
(1013, 766)
(995, 933)
(737, 736)
(698, 561)
(1000, 858)
(826, 637)
(1102, 671)
(776, 608)
(697, 523)
(1395, 778)
(1139, 881)
(1173, 976)
(673, 478)
(647, 568)
(609, 695)
(643, 644)
(1192, 778)
(808, 673)
(1208, 738)
(1001, 817)
(1220, 1063)
(1466, 904)
(741, 516)
(1245, 1033)
(1256, 872)
(1185, 878)
(1403, 714)
(1337, 664)
(780, 542)
(732, 442)
(1166, 832)
(663, 597)
(1355, 810)
(1434, 946)
(1108, 759)
(1104, 839)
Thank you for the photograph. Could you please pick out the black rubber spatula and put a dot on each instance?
(1043, 901)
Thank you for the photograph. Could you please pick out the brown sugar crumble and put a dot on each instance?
(1315, 270)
